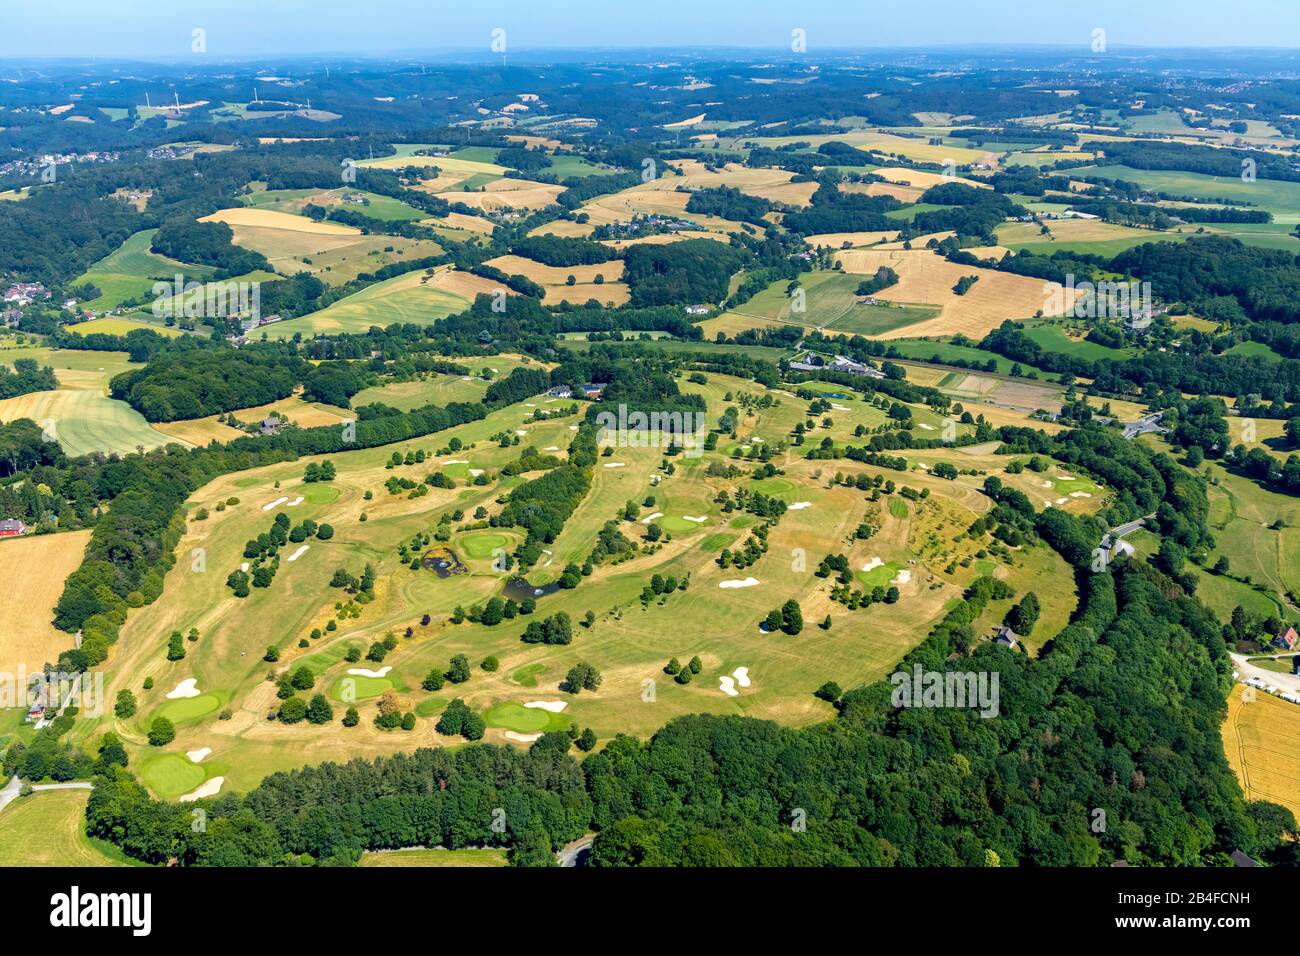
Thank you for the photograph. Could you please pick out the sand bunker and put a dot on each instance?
(278, 501)
(698, 519)
(1080, 494)
(1064, 477)
(551, 448)
(617, 464)
(746, 583)
(520, 431)
(455, 461)
(366, 672)
(648, 518)
(573, 428)
(299, 553)
(928, 428)
(554, 706)
(295, 503)
(186, 688)
(197, 755)
(208, 789)
(244, 567)
(902, 577)
(742, 676)
(872, 564)
(800, 505)
(839, 408)
(1047, 484)
(522, 738)
(1061, 501)
(728, 686)
(475, 472)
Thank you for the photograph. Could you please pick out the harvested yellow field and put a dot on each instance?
(301, 413)
(919, 242)
(928, 279)
(680, 124)
(509, 194)
(114, 326)
(557, 275)
(904, 194)
(448, 164)
(270, 219)
(923, 179)
(1262, 742)
(34, 569)
(789, 194)
(281, 246)
(837, 240)
(465, 284)
(663, 239)
(199, 431)
(460, 220)
(535, 142)
(1069, 230)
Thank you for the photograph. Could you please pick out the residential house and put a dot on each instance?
(1007, 637)
(697, 310)
(1286, 639)
(593, 390)
(11, 528)
(270, 426)
(560, 391)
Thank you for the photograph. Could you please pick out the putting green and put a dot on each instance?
(319, 494)
(898, 508)
(188, 708)
(523, 720)
(526, 676)
(431, 706)
(677, 525)
(457, 470)
(881, 576)
(170, 775)
(353, 687)
(482, 544)
(773, 486)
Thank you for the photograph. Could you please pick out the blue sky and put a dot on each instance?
(161, 29)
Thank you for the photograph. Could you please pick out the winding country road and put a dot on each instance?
(11, 790)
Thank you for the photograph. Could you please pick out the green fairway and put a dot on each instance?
(1053, 339)
(400, 299)
(526, 676)
(353, 687)
(1278, 197)
(85, 420)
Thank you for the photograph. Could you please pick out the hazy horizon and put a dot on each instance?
(243, 29)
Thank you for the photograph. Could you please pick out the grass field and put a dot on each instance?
(1054, 338)
(1280, 198)
(113, 326)
(414, 297)
(129, 272)
(1091, 236)
(48, 829)
(33, 569)
(1262, 742)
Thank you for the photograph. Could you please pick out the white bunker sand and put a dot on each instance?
(366, 672)
(295, 503)
(554, 706)
(244, 567)
(872, 564)
(520, 431)
(299, 553)
(698, 519)
(455, 461)
(617, 464)
(197, 755)
(745, 583)
(728, 686)
(928, 428)
(189, 687)
(800, 505)
(475, 472)
(648, 518)
(522, 738)
(902, 577)
(551, 448)
(1064, 477)
(839, 408)
(742, 676)
(272, 504)
(209, 788)
(1080, 494)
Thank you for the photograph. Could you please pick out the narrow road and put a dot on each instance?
(575, 853)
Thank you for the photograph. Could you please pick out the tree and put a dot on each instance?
(586, 740)
(432, 680)
(293, 710)
(582, 676)
(829, 691)
(125, 705)
(351, 718)
(161, 732)
(272, 654)
(303, 678)
(791, 617)
(175, 646)
(319, 710)
(458, 670)
(1292, 431)
(1023, 615)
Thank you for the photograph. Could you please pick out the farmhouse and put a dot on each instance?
(560, 391)
(269, 426)
(1006, 637)
(12, 528)
(697, 310)
(10, 317)
(1286, 639)
(592, 390)
(812, 362)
